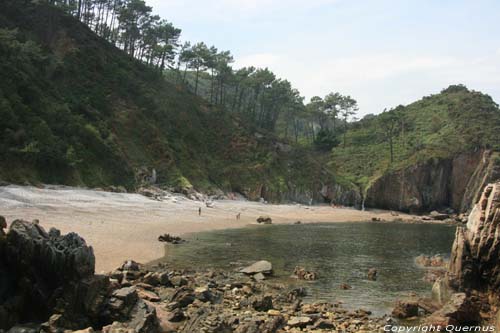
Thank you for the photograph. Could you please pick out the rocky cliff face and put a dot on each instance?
(49, 277)
(470, 291)
(436, 183)
(475, 260)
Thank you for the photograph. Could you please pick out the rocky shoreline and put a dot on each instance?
(48, 283)
(57, 271)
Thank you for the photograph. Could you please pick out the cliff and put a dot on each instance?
(453, 182)
(470, 291)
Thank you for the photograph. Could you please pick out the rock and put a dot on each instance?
(372, 274)
(262, 303)
(3, 222)
(130, 265)
(176, 316)
(273, 313)
(376, 219)
(87, 330)
(50, 268)
(439, 216)
(183, 296)
(203, 294)
(297, 222)
(263, 266)
(323, 324)
(302, 274)
(178, 281)
(265, 219)
(476, 249)
(405, 309)
(300, 322)
(259, 277)
(345, 286)
(459, 310)
(148, 295)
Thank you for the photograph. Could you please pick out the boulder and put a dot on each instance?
(53, 269)
(459, 310)
(263, 266)
(300, 322)
(435, 215)
(405, 309)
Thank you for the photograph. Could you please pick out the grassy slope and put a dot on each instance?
(439, 126)
(82, 112)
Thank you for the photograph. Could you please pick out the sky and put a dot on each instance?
(380, 52)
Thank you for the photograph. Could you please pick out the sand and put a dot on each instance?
(126, 226)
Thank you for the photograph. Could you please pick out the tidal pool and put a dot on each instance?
(338, 252)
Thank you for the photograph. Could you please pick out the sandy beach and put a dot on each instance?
(126, 226)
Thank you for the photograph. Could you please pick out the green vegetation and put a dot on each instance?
(439, 126)
(95, 102)
(76, 110)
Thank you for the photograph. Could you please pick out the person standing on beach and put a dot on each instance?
(238, 216)
(199, 211)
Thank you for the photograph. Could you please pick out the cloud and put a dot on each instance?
(380, 80)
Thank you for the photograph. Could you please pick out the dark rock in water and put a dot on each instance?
(372, 274)
(302, 274)
(265, 219)
(345, 286)
(263, 266)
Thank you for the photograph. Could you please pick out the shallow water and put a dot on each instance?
(339, 253)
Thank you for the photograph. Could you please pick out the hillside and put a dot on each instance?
(456, 126)
(76, 110)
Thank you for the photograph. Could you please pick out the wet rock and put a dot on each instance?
(265, 219)
(372, 274)
(302, 274)
(263, 266)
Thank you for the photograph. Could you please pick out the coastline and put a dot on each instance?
(126, 226)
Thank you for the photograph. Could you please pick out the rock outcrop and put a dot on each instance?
(475, 261)
(48, 278)
(470, 290)
(451, 182)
